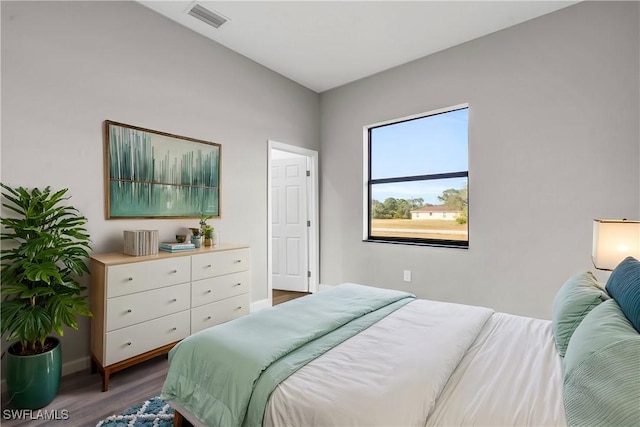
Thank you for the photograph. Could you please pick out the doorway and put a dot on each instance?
(292, 205)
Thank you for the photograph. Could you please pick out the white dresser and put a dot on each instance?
(142, 306)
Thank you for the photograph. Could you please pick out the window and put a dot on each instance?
(417, 179)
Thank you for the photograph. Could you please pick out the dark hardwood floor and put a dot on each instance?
(282, 296)
(81, 397)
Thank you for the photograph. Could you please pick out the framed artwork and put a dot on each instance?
(151, 174)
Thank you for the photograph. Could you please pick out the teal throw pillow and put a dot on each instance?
(577, 297)
(624, 287)
(602, 370)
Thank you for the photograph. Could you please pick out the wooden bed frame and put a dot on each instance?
(179, 420)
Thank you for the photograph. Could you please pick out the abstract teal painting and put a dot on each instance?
(151, 174)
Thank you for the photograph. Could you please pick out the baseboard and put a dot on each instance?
(260, 305)
(76, 365)
(67, 368)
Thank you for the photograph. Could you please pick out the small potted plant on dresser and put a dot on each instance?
(196, 237)
(45, 244)
(208, 235)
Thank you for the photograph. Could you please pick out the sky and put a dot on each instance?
(429, 145)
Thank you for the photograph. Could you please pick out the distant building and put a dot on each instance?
(435, 212)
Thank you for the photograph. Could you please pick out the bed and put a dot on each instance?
(357, 355)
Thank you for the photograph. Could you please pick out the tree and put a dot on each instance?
(457, 200)
(393, 208)
(454, 199)
(390, 206)
(417, 203)
(378, 210)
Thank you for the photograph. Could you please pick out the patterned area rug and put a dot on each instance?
(155, 412)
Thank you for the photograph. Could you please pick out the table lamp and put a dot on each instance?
(613, 241)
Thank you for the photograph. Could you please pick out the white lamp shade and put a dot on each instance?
(613, 241)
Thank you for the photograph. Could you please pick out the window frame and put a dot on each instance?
(368, 182)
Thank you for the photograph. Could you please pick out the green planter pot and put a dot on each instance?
(33, 381)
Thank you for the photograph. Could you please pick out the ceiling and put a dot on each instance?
(325, 44)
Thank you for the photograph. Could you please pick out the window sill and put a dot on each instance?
(441, 244)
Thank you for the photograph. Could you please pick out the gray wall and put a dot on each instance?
(68, 66)
(553, 143)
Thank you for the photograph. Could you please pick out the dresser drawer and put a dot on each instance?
(219, 263)
(213, 289)
(212, 314)
(134, 340)
(130, 278)
(130, 309)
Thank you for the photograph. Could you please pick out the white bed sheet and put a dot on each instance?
(511, 376)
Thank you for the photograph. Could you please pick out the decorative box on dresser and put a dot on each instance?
(144, 305)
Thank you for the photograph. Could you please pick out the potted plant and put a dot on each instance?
(208, 235)
(45, 244)
(206, 230)
(196, 237)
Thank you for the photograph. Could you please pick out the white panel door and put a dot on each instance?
(289, 224)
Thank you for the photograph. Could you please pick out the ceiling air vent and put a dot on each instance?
(206, 16)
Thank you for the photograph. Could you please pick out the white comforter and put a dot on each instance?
(388, 375)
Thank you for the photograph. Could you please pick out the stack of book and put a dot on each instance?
(140, 242)
(176, 247)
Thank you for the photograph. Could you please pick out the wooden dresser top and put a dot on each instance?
(115, 258)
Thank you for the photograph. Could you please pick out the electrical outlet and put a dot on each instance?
(407, 275)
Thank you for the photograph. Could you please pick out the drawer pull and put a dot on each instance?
(174, 300)
(239, 307)
(129, 311)
(130, 279)
(129, 343)
(238, 261)
(174, 271)
(208, 318)
(238, 284)
(173, 329)
(208, 266)
(208, 291)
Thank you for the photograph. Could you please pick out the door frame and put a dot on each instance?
(314, 216)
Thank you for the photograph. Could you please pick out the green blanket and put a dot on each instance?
(224, 375)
